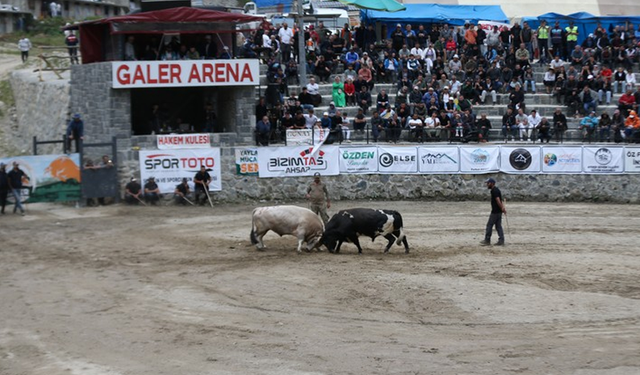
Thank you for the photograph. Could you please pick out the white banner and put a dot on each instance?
(170, 167)
(397, 160)
(185, 73)
(524, 159)
(298, 161)
(632, 159)
(603, 159)
(561, 159)
(178, 141)
(438, 159)
(479, 159)
(299, 137)
(359, 159)
(247, 161)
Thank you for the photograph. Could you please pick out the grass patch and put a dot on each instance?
(6, 94)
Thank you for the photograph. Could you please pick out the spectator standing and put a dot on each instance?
(318, 197)
(4, 187)
(75, 132)
(286, 37)
(543, 41)
(495, 219)
(72, 42)
(571, 36)
(24, 45)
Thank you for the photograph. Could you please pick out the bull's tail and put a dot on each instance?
(401, 237)
(252, 236)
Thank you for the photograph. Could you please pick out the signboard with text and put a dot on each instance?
(479, 159)
(562, 159)
(298, 161)
(247, 161)
(603, 160)
(298, 137)
(175, 141)
(169, 167)
(185, 73)
(359, 159)
(525, 159)
(632, 159)
(438, 160)
(397, 160)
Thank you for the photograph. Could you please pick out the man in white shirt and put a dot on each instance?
(556, 63)
(522, 122)
(432, 125)
(24, 45)
(310, 119)
(416, 126)
(286, 37)
(534, 120)
(314, 90)
(417, 52)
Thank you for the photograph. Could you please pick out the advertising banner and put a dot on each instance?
(561, 159)
(632, 159)
(603, 159)
(479, 159)
(170, 167)
(185, 73)
(298, 161)
(52, 178)
(397, 160)
(299, 137)
(438, 160)
(179, 141)
(359, 159)
(524, 159)
(247, 161)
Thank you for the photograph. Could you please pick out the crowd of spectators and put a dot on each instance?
(441, 74)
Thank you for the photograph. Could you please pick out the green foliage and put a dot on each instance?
(6, 94)
(49, 26)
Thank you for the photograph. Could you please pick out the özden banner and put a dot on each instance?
(359, 160)
(52, 178)
(298, 161)
(632, 159)
(169, 167)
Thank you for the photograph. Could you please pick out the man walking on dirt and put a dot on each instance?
(318, 197)
(497, 209)
(16, 176)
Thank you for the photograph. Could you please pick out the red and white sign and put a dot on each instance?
(175, 141)
(186, 73)
(170, 167)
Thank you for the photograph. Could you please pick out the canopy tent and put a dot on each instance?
(436, 13)
(98, 36)
(586, 22)
(274, 6)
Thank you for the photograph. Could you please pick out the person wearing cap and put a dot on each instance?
(75, 131)
(397, 38)
(181, 193)
(201, 181)
(495, 218)
(4, 187)
(226, 54)
(318, 197)
(133, 192)
(151, 191)
(632, 127)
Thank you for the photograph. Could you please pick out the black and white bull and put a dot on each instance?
(348, 225)
(292, 220)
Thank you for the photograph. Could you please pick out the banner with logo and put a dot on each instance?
(397, 160)
(178, 141)
(520, 159)
(170, 167)
(479, 159)
(298, 161)
(561, 159)
(603, 160)
(359, 159)
(438, 160)
(247, 161)
(51, 178)
(299, 137)
(632, 159)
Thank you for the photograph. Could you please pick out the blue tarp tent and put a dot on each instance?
(274, 6)
(586, 22)
(436, 13)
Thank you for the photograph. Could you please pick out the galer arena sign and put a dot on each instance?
(188, 73)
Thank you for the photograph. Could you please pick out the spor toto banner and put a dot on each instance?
(397, 160)
(186, 73)
(632, 159)
(479, 159)
(520, 159)
(359, 159)
(298, 161)
(438, 160)
(176, 141)
(170, 167)
(561, 159)
(603, 159)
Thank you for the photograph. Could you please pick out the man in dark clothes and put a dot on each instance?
(15, 177)
(497, 209)
(132, 192)
(151, 191)
(4, 187)
(182, 192)
(75, 131)
(201, 181)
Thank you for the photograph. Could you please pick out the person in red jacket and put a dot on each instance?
(626, 102)
(350, 92)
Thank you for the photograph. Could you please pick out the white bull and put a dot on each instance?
(292, 220)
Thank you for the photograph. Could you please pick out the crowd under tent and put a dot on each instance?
(586, 22)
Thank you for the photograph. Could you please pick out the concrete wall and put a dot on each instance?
(42, 109)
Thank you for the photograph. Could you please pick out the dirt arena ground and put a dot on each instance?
(168, 290)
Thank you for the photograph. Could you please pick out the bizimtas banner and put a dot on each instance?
(298, 161)
(169, 167)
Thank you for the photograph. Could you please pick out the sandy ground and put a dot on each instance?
(171, 290)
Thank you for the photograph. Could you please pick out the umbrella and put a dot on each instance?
(381, 5)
